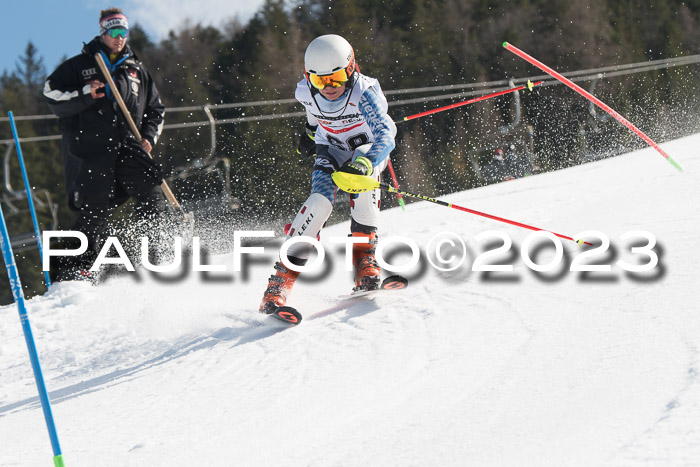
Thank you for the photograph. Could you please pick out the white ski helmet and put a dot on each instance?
(328, 54)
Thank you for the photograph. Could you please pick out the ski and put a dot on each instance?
(287, 314)
(390, 283)
(283, 313)
(394, 283)
(291, 316)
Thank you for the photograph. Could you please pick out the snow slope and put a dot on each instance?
(462, 368)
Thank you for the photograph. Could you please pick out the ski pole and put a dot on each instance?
(18, 295)
(353, 183)
(592, 98)
(30, 199)
(529, 86)
(132, 126)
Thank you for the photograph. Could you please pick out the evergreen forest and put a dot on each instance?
(250, 174)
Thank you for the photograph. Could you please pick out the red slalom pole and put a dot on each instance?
(592, 98)
(395, 182)
(529, 86)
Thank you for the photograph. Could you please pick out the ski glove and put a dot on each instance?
(307, 142)
(360, 166)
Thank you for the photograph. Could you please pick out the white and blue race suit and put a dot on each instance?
(355, 124)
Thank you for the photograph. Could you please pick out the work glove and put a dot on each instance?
(360, 166)
(307, 142)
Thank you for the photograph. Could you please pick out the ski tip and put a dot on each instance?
(394, 283)
(288, 315)
(505, 44)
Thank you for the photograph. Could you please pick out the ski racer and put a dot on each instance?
(347, 130)
(104, 164)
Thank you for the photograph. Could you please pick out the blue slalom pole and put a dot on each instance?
(18, 295)
(30, 200)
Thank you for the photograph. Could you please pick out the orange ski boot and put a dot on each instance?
(278, 288)
(367, 271)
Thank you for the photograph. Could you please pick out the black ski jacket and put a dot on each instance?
(95, 134)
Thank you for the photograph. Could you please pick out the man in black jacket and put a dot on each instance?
(104, 164)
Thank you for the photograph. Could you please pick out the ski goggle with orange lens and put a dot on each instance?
(118, 32)
(334, 80)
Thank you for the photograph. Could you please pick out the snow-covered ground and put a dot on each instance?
(461, 368)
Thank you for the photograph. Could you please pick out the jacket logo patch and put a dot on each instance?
(329, 120)
(89, 72)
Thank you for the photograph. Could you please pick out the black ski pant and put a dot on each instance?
(132, 179)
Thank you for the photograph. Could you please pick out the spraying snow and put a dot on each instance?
(461, 368)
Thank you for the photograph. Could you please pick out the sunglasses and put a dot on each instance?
(334, 80)
(118, 32)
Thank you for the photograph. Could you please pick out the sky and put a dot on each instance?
(510, 368)
(37, 20)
